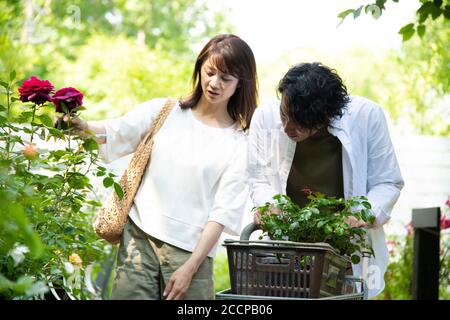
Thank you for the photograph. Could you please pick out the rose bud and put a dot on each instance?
(30, 152)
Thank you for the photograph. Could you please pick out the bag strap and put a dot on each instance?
(132, 176)
(159, 120)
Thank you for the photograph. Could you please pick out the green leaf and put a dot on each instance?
(357, 12)
(75, 207)
(12, 75)
(380, 3)
(345, 13)
(407, 31)
(56, 133)
(69, 230)
(118, 190)
(64, 107)
(77, 180)
(294, 226)
(108, 182)
(427, 9)
(446, 12)
(2, 108)
(90, 145)
(367, 205)
(328, 229)
(374, 10)
(4, 84)
(100, 173)
(46, 120)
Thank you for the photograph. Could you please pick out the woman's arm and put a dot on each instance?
(181, 279)
(91, 128)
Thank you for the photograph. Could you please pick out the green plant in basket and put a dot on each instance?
(323, 219)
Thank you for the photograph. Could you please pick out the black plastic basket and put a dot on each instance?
(284, 268)
(353, 289)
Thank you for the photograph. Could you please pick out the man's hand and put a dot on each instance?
(257, 214)
(355, 223)
(179, 282)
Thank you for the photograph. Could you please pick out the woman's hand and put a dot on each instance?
(74, 124)
(83, 129)
(179, 282)
(79, 126)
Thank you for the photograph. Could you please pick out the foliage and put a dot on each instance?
(323, 219)
(221, 273)
(432, 9)
(47, 202)
(418, 89)
(135, 49)
(398, 277)
(167, 25)
(116, 74)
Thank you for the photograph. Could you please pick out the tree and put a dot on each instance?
(35, 33)
(430, 8)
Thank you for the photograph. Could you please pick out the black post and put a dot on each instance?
(426, 223)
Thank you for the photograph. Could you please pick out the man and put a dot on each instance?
(319, 138)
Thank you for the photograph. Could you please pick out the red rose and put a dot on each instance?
(70, 97)
(35, 90)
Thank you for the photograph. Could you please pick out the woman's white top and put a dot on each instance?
(196, 173)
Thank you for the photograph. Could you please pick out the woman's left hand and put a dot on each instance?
(179, 283)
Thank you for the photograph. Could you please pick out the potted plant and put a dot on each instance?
(323, 219)
(308, 252)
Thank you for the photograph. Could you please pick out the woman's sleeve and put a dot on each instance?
(124, 134)
(232, 193)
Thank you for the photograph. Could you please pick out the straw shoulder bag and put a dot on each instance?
(110, 221)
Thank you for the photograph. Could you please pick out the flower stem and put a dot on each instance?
(8, 137)
(32, 131)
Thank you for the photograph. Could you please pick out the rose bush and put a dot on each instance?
(48, 200)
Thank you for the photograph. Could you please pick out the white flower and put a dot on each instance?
(18, 253)
(69, 267)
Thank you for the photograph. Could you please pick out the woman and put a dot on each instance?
(194, 186)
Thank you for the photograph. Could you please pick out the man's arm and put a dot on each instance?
(260, 161)
(384, 179)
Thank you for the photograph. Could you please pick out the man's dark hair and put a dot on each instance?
(313, 95)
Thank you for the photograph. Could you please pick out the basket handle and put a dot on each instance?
(248, 230)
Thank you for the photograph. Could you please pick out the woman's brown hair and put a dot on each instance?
(231, 55)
